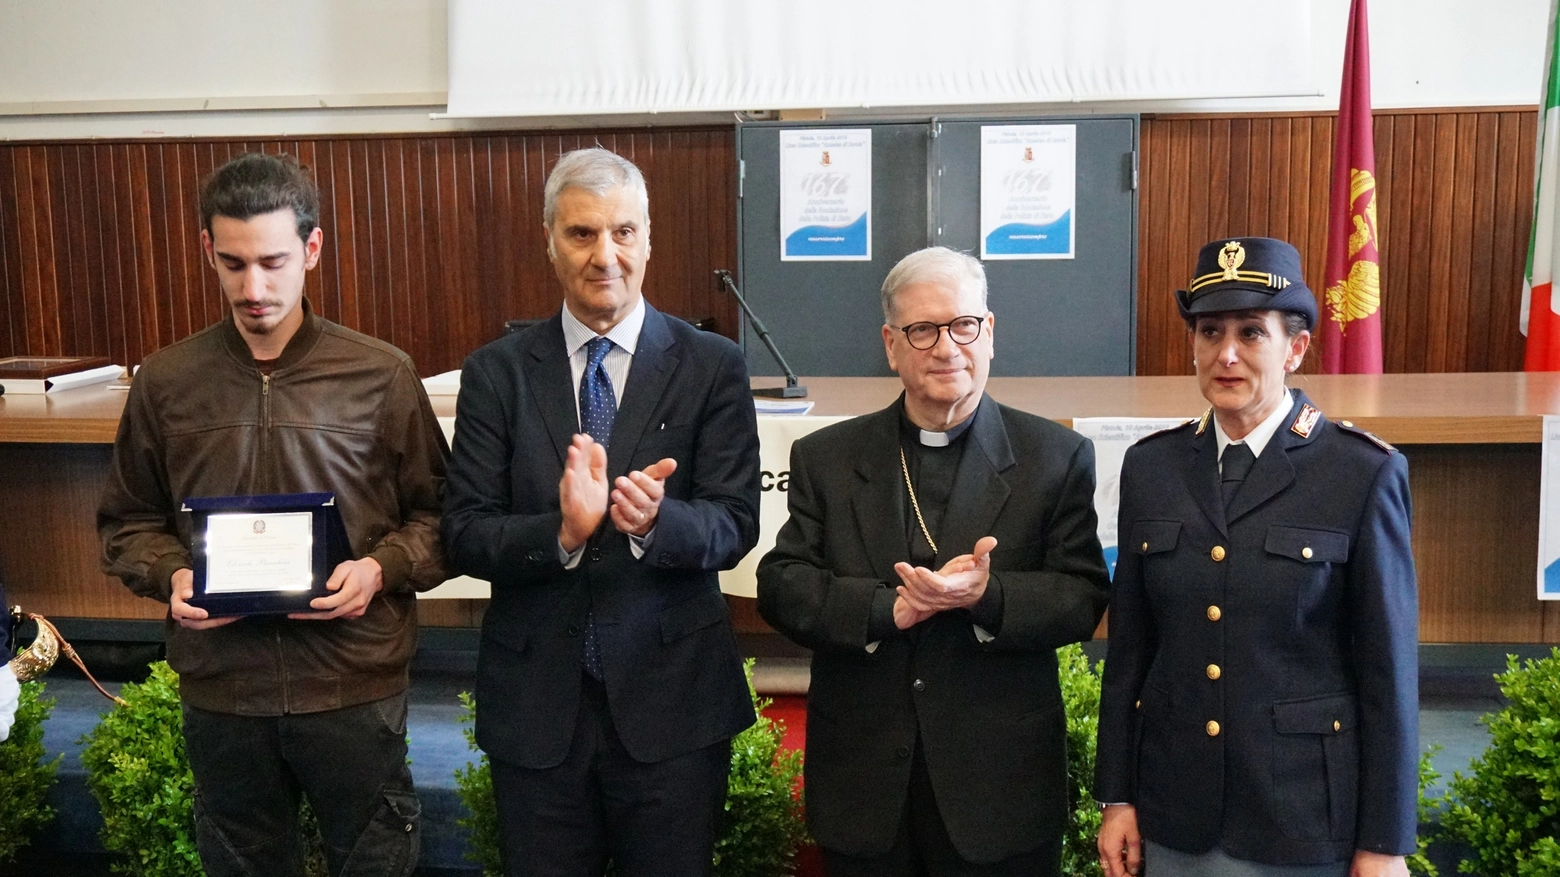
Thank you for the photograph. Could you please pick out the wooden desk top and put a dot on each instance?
(1451, 408)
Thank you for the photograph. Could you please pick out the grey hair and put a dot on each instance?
(597, 171)
(939, 265)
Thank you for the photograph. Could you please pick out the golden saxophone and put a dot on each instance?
(46, 648)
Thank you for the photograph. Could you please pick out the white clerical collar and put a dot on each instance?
(932, 439)
(1259, 436)
(625, 334)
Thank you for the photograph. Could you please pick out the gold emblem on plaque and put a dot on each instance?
(1230, 259)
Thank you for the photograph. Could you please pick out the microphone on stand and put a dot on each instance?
(791, 390)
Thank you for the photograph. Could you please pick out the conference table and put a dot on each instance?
(1472, 441)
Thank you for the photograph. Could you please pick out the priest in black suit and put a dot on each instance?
(604, 469)
(937, 554)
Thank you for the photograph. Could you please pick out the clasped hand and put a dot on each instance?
(960, 583)
(585, 495)
(353, 584)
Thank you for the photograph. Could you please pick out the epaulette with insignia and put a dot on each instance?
(1202, 423)
(1379, 442)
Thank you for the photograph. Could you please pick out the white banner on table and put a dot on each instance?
(1028, 191)
(1549, 512)
(826, 195)
(775, 435)
(1112, 436)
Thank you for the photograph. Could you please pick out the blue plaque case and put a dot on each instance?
(330, 549)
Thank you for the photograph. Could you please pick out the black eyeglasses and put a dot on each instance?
(923, 336)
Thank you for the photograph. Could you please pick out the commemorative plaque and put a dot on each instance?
(270, 554)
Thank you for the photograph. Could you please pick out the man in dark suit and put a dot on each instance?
(605, 467)
(938, 553)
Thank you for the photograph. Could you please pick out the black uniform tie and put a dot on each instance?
(1234, 464)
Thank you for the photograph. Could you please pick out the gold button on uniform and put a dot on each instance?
(1348, 423)
(1145, 546)
(1214, 672)
(1214, 613)
(1213, 729)
(1217, 553)
(1306, 552)
(1337, 726)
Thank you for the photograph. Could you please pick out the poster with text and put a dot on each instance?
(1028, 189)
(826, 195)
(1112, 436)
(1549, 512)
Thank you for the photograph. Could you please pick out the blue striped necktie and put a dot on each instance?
(598, 408)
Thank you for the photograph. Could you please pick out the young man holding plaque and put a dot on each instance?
(276, 400)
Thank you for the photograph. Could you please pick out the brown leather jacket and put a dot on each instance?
(340, 412)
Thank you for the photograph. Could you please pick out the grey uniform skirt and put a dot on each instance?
(1161, 861)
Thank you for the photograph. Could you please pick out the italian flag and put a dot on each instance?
(1540, 318)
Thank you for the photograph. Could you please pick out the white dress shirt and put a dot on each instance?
(620, 357)
(1259, 436)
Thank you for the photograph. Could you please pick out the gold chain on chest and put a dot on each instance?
(905, 468)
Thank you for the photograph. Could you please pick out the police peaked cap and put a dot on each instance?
(1239, 274)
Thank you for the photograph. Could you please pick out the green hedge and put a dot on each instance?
(25, 778)
(1507, 809)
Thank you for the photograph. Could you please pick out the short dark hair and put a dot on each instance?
(1293, 322)
(254, 184)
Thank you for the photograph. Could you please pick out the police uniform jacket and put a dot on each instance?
(986, 712)
(1260, 689)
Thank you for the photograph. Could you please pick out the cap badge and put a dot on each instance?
(1230, 259)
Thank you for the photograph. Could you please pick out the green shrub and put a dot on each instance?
(1507, 810)
(1081, 697)
(25, 778)
(763, 822)
(138, 772)
(474, 787)
(1429, 811)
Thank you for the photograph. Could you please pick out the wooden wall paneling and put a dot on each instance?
(1394, 176)
(1502, 339)
(68, 307)
(1452, 190)
(1441, 214)
(1178, 160)
(1481, 244)
(1314, 247)
(31, 200)
(1258, 203)
(1421, 240)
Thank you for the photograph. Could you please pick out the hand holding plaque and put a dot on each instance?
(192, 617)
(354, 583)
(272, 554)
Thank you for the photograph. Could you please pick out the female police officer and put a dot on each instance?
(1260, 708)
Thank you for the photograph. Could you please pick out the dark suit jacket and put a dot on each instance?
(989, 715)
(1316, 698)
(673, 676)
